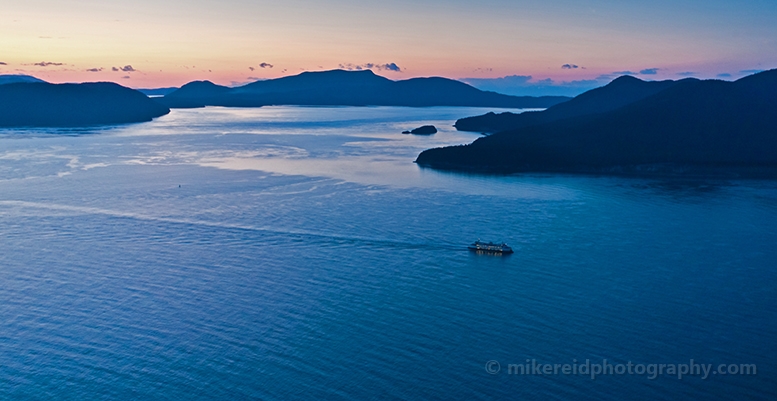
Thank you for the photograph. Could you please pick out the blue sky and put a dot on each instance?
(570, 43)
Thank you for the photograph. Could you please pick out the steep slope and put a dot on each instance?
(618, 93)
(18, 78)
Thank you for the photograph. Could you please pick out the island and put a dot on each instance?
(424, 130)
(348, 88)
(618, 93)
(684, 127)
(42, 104)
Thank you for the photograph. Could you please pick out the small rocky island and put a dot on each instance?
(425, 130)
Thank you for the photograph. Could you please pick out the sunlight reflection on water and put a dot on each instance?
(289, 252)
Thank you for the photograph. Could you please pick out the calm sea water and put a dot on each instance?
(298, 253)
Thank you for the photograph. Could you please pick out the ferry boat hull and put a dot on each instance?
(490, 248)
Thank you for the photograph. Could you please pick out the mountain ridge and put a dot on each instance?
(18, 78)
(348, 88)
(620, 92)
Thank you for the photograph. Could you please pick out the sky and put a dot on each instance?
(505, 45)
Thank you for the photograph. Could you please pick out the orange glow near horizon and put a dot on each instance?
(228, 42)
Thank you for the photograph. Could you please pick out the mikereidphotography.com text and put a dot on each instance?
(594, 369)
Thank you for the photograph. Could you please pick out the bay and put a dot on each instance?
(298, 253)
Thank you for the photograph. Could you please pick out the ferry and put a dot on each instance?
(490, 248)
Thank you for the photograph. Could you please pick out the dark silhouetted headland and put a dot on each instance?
(689, 126)
(349, 88)
(71, 105)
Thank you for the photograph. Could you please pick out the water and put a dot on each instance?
(298, 253)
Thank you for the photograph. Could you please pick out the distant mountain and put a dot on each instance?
(618, 93)
(68, 105)
(157, 91)
(18, 78)
(690, 126)
(348, 88)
